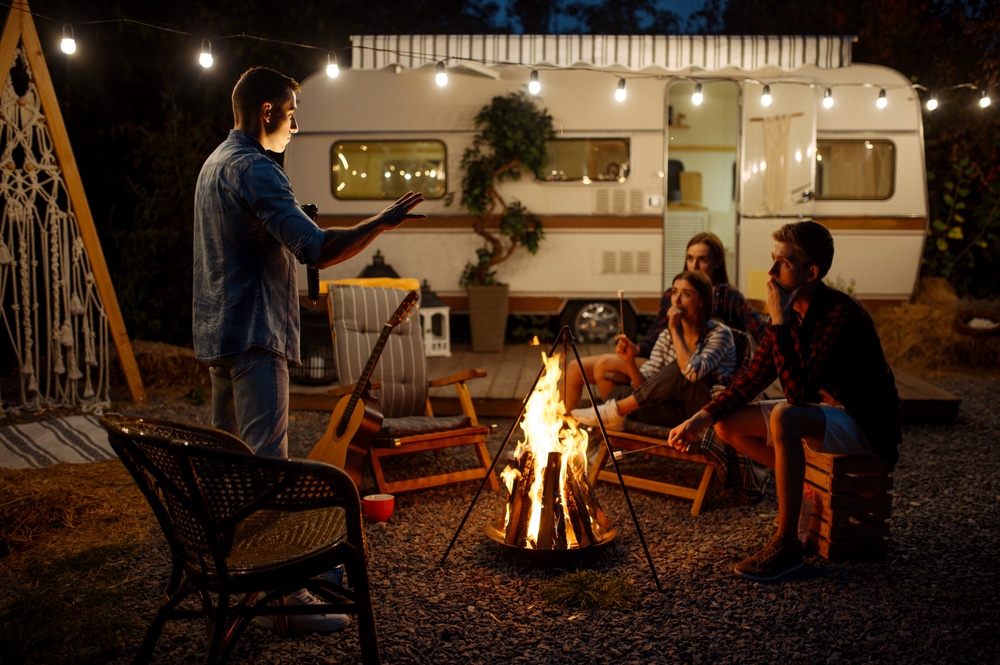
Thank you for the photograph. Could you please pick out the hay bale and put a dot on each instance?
(68, 508)
(165, 366)
(922, 335)
(935, 291)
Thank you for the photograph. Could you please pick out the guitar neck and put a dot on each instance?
(366, 374)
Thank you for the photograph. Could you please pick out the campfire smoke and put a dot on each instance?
(551, 504)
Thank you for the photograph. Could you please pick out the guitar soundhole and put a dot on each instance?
(342, 427)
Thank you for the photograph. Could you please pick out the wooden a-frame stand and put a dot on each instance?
(21, 29)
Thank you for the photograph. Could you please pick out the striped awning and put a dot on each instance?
(612, 52)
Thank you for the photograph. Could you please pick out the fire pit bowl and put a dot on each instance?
(551, 557)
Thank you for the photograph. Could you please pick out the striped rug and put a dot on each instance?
(57, 441)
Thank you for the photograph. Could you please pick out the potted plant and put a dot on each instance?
(511, 142)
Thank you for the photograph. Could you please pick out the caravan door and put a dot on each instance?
(701, 147)
(776, 182)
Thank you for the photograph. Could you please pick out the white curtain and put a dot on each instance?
(776, 132)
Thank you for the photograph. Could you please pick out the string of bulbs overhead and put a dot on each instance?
(206, 60)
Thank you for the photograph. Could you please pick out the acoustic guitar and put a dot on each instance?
(356, 420)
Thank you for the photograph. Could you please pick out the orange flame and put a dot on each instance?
(547, 430)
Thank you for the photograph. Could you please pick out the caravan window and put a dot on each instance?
(587, 160)
(855, 169)
(387, 169)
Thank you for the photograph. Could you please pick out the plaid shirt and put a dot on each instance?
(836, 349)
(728, 305)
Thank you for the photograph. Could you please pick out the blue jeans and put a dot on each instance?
(250, 399)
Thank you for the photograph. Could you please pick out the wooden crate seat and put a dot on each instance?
(852, 504)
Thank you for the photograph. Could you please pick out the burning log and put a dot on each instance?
(551, 527)
(519, 504)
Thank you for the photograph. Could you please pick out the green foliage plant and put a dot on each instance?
(965, 226)
(511, 141)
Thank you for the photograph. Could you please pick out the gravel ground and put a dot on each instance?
(932, 599)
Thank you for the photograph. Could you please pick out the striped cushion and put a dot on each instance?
(359, 314)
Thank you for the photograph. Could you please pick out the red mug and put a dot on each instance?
(378, 507)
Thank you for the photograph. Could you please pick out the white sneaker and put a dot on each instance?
(608, 412)
(307, 623)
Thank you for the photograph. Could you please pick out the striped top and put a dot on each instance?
(714, 356)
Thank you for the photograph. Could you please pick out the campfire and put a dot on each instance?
(552, 506)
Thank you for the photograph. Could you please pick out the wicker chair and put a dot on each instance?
(245, 529)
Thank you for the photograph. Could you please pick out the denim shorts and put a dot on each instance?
(250, 399)
(841, 436)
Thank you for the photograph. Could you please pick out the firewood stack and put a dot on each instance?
(576, 522)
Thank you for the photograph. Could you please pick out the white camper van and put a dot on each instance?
(729, 134)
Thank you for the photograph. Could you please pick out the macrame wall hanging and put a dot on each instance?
(59, 307)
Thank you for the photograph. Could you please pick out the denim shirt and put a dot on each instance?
(248, 228)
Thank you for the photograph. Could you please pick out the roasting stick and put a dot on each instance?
(621, 310)
(622, 453)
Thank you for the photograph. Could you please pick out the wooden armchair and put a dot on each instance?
(394, 364)
(710, 454)
(246, 530)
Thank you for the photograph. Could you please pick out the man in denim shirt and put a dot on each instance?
(248, 232)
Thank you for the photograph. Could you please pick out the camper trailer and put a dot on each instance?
(731, 134)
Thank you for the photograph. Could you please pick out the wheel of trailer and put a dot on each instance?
(597, 321)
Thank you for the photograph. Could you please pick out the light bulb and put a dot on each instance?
(985, 100)
(620, 93)
(68, 43)
(332, 68)
(205, 58)
(827, 98)
(534, 87)
(441, 77)
(932, 103)
(765, 96)
(881, 102)
(697, 98)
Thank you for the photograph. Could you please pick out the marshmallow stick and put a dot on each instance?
(621, 310)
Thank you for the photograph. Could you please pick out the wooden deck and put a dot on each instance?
(512, 372)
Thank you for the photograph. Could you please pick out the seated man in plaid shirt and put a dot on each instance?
(820, 343)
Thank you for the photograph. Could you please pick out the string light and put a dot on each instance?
(620, 93)
(205, 57)
(441, 77)
(68, 43)
(828, 98)
(534, 87)
(697, 97)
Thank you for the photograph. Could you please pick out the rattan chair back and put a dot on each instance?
(247, 529)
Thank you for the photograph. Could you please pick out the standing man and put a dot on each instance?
(248, 232)
(840, 391)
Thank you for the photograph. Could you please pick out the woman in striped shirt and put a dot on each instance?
(692, 356)
(705, 252)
